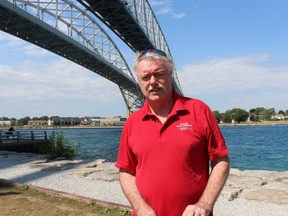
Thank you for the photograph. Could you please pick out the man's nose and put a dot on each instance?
(153, 79)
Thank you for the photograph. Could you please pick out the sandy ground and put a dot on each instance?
(246, 192)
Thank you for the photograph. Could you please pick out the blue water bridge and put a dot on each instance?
(73, 29)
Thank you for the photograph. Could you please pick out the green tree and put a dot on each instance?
(268, 114)
(252, 115)
(46, 118)
(239, 115)
(226, 117)
(13, 121)
(259, 113)
(24, 121)
(217, 115)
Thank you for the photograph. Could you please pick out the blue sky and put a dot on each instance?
(228, 53)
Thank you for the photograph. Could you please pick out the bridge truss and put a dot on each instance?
(134, 22)
(68, 28)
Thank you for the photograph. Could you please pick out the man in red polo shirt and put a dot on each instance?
(167, 146)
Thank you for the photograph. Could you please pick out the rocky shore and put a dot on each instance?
(245, 193)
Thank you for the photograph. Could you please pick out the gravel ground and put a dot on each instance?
(250, 193)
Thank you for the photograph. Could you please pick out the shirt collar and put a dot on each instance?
(178, 106)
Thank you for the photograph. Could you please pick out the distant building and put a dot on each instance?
(5, 123)
(66, 121)
(115, 121)
(50, 122)
(73, 121)
(95, 121)
(278, 117)
(85, 122)
(37, 123)
(121, 121)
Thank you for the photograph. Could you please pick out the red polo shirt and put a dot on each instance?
(171, 161)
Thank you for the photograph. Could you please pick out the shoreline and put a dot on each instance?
(248, 192)
(61, 128)
(263, 123)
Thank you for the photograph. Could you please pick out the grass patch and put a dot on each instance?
(23, 200)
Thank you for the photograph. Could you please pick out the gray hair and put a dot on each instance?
(153, 56)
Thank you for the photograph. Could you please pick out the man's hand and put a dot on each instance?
(199, 209)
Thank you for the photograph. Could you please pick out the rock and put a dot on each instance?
(268, 195)
(234, 194)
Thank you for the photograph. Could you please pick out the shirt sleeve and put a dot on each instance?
(217, 147)
(126, 158)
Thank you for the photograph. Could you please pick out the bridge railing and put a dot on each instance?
(22, 136)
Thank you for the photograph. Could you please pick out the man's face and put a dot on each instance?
(155, 80)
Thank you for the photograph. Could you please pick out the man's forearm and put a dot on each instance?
(216, 182)
(217, 179)
(132, 193)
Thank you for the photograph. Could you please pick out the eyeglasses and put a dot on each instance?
(149, 51)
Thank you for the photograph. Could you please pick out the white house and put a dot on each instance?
(278, 117)
(5, 123)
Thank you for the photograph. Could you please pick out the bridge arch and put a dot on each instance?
(66, 29)
(69, 28)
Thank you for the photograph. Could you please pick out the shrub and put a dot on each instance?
(58, 146)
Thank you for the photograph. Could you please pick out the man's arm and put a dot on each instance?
(217, 179)
(132, 193)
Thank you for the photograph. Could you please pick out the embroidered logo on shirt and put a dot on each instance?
(184, 126)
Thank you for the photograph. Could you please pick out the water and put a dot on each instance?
(251, 147)
(95, 143)
(258, 147)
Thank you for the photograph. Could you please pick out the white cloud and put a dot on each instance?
(57, 80)
(19, 46)
(32, 50)
(10, 41)
(241, 81)
(160, 3)
(165, 10)
(59, 88)
(235, 73)
(166, 7)
(35, 82)
(179, 15)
